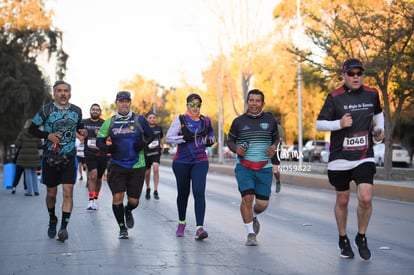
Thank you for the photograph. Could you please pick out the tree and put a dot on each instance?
(25, 33)
(275, 74)
(277, 77)
(243, 29)
(22, 90)
(27, 25)
(380, 34)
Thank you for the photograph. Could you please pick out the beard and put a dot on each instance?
(95, 116)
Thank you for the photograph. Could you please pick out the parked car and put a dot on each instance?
(313, 148)
(400, 155)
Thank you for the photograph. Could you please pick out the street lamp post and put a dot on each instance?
(173, 91)
(220, 115)
(154, 99)
(298, 34)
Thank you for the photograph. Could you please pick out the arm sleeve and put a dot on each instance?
(173, 134)
(275, 135)
(326, 120)
(80, 124)
(326, 125)
(148, 132)
(231, 139)
(379, 120)
(102, 135)
(34, 130)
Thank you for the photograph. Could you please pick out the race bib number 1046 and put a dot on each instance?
(357, 142)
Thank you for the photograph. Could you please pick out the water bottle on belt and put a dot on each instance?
(55, 147)
(245, 145)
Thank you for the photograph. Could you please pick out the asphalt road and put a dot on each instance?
(298, 235)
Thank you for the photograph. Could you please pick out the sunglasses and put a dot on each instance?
(194, 105)
(351, 74)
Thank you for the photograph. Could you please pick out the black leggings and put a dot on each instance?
(191, 176)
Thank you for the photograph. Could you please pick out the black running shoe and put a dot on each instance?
(129, 219)
(346, 249)
(361, 243)
(156, 195)
(51, 231)
(148, 194)
(123, 234)
(62, 235)
(278, 186)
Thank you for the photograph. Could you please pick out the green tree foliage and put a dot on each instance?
(380, 34)
(22, 90)
(277, 77)
(26, 25)
(223, 75)
(25, 33)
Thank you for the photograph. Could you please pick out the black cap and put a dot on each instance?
(352, 64)
(150, 113)
(123, 95)
(191, 97)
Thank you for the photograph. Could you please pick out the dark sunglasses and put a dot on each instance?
(194, 105)
(351, 74)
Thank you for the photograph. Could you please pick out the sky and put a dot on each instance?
(163, 40)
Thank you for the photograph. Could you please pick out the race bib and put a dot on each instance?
(357, 141)
(92, 143)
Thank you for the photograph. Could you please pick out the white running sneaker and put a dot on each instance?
(251, 239)
(95, 205)
(90, 205)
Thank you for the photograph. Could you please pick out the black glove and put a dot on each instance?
(209, 142)
(139, 145)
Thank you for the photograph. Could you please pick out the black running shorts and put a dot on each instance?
(127, 180)
(363, 173)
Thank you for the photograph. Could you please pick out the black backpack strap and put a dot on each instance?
(112, 123)
(185, 130)
(136, 120)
